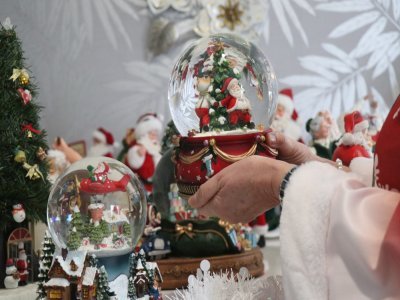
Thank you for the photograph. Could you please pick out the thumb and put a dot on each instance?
(205, 193)
(276, 140)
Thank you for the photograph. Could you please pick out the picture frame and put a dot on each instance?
(79, 146)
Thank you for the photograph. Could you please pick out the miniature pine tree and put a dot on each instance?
(105, 229)
(78, 223)
(132, 265)
(46, 259)
(74, 240)
(103, 290)
(131, 290)
(96, 234)
(127, 229)
(23, 171)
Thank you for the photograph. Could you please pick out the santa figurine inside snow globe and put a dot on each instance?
(222, 98)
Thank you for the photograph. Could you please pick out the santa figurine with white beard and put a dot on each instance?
(285, 119)
(22, 265)
(103, 143)
(144, 155)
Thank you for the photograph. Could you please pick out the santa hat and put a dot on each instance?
(9, 263)
(104, 136)
(17, 207)
(146, 123)
(285, 98)
(228, 83)
(354, 124)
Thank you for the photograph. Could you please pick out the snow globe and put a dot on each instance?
(222, 98)
(99, 206)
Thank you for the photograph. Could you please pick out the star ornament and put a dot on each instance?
(230, 14)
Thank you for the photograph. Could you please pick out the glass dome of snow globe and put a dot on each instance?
(98, 205)
(222, 84)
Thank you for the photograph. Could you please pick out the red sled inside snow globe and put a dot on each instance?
(222, 98)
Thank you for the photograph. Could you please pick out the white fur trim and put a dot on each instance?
(361, 126)
(134, 159)
(99, 136)
(364, 167)
(260, 230)
(304, 228)
(148, 124)
(287, 103)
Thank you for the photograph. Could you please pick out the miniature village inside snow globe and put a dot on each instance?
(222, 98)
(98, 205)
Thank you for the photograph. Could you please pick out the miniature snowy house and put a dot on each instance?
(69, 271)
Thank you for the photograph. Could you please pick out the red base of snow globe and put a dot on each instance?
(198, 158)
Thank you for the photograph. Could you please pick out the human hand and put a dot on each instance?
(243, 190)
(141, 151)
(59, 144)
(289, 150)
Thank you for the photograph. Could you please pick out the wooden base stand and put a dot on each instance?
(176, 270)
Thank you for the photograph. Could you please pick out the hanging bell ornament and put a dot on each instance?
(41, 154)
(20, 156)
(29, 134)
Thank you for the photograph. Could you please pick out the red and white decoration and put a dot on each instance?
(12, 278)
(354, 142)
(144, 154)
(25, 95)
(18, 213)
(103, 143)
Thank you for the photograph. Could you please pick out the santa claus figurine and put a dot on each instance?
(103, 143)
(285, 119)
(12, 278)
(236, 103)
(354, 143)
(144, 155)
(22, 265)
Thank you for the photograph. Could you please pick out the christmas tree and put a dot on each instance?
(127, 229)
(46, 259)
(74, 240)
(78, 223)
(103, 290)
(23, 169)
(96, 234)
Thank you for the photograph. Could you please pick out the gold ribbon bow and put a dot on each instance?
(19, 72)
(33, 171)
(181, 229)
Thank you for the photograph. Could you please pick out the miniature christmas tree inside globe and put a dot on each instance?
(222, 84)
(97, 205)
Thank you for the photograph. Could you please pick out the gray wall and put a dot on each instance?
(89, 58)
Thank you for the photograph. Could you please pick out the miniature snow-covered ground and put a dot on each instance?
(228, 132)
(120, 286)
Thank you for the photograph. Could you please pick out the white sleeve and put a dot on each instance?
(331, 227)
(134, 159)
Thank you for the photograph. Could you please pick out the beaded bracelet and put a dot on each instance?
(284, 183)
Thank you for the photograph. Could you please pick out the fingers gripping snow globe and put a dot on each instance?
(222, 98)
(99, 206)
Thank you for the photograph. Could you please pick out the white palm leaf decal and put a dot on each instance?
(146, 86)
(285, 12)
(336, 82)
(380, 41)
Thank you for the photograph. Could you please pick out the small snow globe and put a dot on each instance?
(97, 205)
(222, 98)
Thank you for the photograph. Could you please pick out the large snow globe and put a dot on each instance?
(222, 98)
(97, 205)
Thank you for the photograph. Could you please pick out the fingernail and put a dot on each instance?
(272, 138)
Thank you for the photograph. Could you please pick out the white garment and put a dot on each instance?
(339, 239)
(288, 127)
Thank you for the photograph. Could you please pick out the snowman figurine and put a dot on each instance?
(18, 213)
(12, 278)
